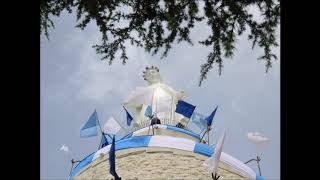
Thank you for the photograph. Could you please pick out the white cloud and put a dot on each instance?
(98, 81)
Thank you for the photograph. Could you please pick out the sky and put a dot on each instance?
(75, 82)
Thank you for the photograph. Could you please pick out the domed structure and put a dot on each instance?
(161, 151)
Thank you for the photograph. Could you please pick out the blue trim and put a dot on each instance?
(190, 133)
(133, 142)
(259, 177)
(136, 142)
(87, 160)
(203, 149)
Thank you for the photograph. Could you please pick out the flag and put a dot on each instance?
(210, 118)
(107, 139)
(129, 117)
(212, 163)
(90, 128)
(112, 160)
(111, 126)
(185, 108)
(148, 111)
(104, 140)
(197, 123)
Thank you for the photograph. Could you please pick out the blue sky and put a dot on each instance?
(74, 82)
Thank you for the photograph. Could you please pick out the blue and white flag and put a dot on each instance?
(129, 117)
(112, 160)
(107, 139)
(185, 108)
(197, 123)
(148, 111)
(90, 128)
(210, 118)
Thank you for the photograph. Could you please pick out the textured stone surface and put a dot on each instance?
(167, 132)
(153, 163)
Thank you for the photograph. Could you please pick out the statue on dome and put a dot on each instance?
(158, 95)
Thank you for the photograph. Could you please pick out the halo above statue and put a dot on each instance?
(152, 75)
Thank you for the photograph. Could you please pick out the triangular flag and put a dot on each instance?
(104, 141)
(212, 163)
(129, 117)
(210, 118)
(111, 126)
(90, 128)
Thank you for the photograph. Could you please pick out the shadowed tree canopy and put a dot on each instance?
(156, 24)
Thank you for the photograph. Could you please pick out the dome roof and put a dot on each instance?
(165, 141)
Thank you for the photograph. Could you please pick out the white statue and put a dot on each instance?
(161, 97)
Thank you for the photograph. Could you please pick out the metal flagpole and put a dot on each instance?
(207, 131)
(156, 102)
(208, 135)
(101, 141)
(99, 123)
(258, 163)
(71, 168)
(203, 135)
(100, 131)
(150, 123)
(171, 109)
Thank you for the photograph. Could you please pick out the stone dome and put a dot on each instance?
(170, 153)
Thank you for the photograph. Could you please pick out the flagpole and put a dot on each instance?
(99, 122)
(71, 168)
(119, 118)
(258, 160)
(72, 162)
(208, 136)
(102, 134)
(258, 163)
(100, 142)
(156, 101)
(171, 109)
(204, 134)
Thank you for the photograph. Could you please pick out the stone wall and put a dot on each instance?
(167, 132)
(153, 163)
